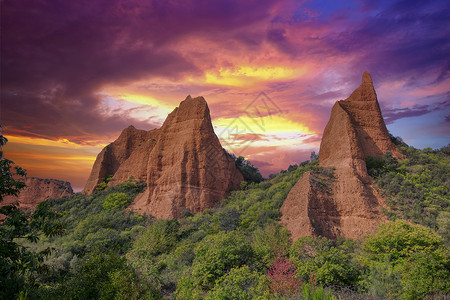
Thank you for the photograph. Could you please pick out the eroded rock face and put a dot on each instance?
(352, 207)
(38, 190)
(182, 162)
(123, 158)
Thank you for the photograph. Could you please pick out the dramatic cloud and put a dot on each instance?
(390, 115)
(78, 72)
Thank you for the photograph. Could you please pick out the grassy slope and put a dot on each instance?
(193, 257)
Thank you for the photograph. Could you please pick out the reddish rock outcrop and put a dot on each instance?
(38, 190)
(352, 207)
(182, 162)
(125, 157)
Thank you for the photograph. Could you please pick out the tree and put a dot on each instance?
(314, 156)
(17, 262)
(407, 260)
(248, 171)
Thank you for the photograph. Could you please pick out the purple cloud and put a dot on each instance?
(56, 55)
(392, 114)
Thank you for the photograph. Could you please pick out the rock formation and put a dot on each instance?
(352, 207)
(125, 157)
(182, 163)
(38, 190)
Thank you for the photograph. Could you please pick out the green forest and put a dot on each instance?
(93, 247)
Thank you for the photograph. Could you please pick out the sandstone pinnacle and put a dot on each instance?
(351, 207)
(183, 163)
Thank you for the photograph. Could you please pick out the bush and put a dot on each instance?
(240, 283)
(116, 201)
(217, 254)
(416, 188)
(92, 275)
(269, 241)
(319, 260)
(158, 238)
(398, 240)
(406, 261)
(282, 277)
(377, 166)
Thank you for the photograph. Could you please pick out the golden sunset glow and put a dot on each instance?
(61, 143)
(143, 99)
(76, 97)
(244, 76)
(268, 124)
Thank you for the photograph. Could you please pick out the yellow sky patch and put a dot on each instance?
(62, 143)
(241, 76)
(261, 125)
(42, 156)
(141, 99)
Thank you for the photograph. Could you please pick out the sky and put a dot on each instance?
(74, 74)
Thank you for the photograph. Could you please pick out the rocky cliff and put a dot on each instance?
(351, 208)
(38, 190)
(182, 163)
(125, 157)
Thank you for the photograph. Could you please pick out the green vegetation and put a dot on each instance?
(239, 250)
(116, 201)
(405, 261)
(417, 188)
(102, 185)
(18, 264)
(248, 171)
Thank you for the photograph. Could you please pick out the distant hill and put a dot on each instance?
(38, 190)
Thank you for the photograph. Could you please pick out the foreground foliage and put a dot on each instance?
(17, 263)
(239, 250)
(416, 188)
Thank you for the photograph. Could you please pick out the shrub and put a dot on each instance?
(116, 201)
(416, 188)
(158, 238)
(411, 260)
(319, 260)
(282, 277)
(268, 241)
(240, 283)
(377, 166)
(217, 254)
(398, 240)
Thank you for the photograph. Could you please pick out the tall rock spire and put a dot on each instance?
(356, 130)
(352, 207)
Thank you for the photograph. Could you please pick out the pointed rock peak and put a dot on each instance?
(366, 78)
(365, 92)
(127, 131)
(193, 108)
(191, 101)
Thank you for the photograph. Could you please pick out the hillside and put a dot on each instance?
(240, 250)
